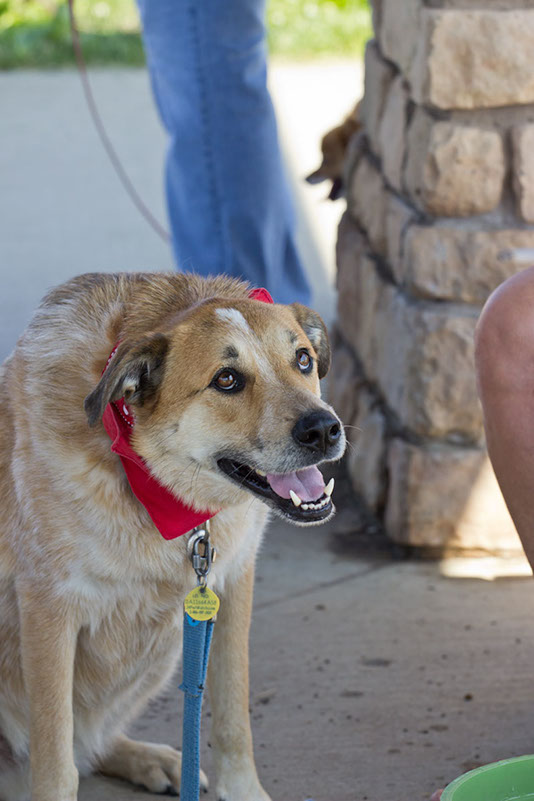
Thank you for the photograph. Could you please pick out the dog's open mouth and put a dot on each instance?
(301, 495)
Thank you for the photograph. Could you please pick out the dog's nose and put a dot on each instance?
(317, 431)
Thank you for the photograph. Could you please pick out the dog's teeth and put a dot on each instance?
(295, 498)
(328, 490)
(305, 506)
(261, 473)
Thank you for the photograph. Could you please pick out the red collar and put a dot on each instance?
(171, 516)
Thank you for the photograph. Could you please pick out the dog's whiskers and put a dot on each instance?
(192, 464)
(195, 477)
(242, 481)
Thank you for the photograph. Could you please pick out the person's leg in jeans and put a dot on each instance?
(229, 203)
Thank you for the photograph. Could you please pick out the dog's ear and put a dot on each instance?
(135, 374)
(315, 330)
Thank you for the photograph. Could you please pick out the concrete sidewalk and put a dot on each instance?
(371, 680)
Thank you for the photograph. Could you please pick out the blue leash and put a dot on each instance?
(196, 649)
(197, 641)
(199, 604)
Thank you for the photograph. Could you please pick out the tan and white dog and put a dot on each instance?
(225, 393)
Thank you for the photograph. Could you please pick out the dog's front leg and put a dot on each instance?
(48, 645)
(236, 777)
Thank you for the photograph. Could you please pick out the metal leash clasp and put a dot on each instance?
(203, 554)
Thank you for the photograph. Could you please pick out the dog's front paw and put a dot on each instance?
(155, 767)
(158, 769)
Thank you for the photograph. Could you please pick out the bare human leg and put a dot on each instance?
(505, 374)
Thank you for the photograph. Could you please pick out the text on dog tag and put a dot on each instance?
(201, 603)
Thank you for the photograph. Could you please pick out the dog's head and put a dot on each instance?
(334, 145)
(227, 403)
(333, 148)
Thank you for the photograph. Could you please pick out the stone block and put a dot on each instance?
(344, 383)
(399, 217)
(367, 203)
(420, 354)
(459, 264)
(422, 358)
(453, 170)
(362, 296)
(468, 59)
(442, 497)
(366, 458)
(399, 31)
(378, 77)
(391, 134)
(418, 137)
(365, 426)
(351, 250)
(523, 172)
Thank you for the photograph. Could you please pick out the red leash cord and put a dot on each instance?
(102, 133)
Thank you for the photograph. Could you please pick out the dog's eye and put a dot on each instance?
(304, 360)
(228, 381)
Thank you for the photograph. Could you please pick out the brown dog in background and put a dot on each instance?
(334, 146)
(225, 392)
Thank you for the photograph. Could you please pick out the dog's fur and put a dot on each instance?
(90, 593)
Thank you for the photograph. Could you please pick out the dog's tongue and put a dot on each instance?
(307, 483)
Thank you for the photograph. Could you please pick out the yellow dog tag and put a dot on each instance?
(201, 603)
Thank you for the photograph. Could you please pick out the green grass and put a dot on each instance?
(306, 28)
(35, 33)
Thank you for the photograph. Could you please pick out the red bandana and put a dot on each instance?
(171, 516)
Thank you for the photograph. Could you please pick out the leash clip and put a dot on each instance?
(203, 554)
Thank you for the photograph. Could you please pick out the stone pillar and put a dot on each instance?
(440, 197)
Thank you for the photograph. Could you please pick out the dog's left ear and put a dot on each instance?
(315, 330)
(135, 374)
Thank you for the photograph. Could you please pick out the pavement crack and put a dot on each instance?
(322, 585)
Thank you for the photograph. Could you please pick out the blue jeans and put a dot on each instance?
(228, 198)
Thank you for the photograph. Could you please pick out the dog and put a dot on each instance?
(334, 146)
(223, 391)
